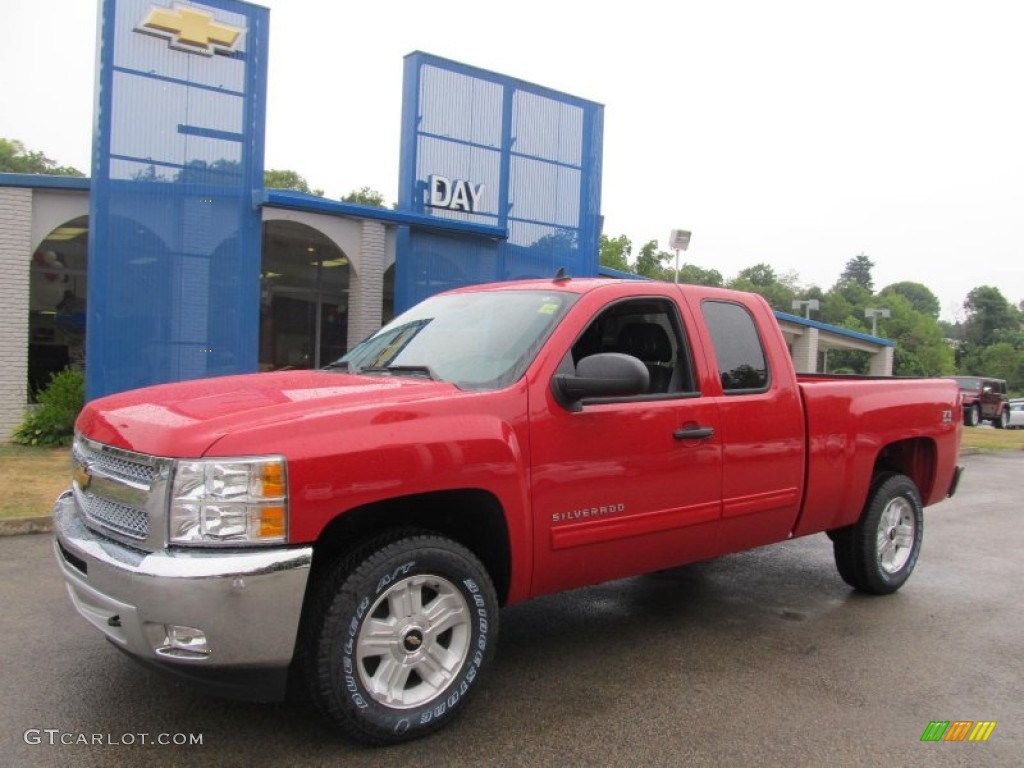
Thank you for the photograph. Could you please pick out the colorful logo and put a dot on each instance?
(958, 730)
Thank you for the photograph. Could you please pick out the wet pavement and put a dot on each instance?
(762, 658)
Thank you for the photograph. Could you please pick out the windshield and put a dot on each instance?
(473, 340)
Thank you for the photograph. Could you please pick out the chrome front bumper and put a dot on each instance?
(247, 603)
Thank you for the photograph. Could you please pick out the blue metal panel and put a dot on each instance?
(537, 154)
(174, 236)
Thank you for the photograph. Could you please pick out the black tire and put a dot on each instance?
(1002, 420)
(878, 553)
(435, 614)
(972, 416)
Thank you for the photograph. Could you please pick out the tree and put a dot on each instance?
(289, 180)
(920, 348)
(762, 279)
(14, 158)
(922, 299)
(988, 312)
(1003, 361)
(615, 252)
(694, 275)
(761, 275)
(858, 270)
(651, 262)
(365, 196)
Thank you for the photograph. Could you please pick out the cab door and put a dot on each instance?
(761, 421)
(625, 485)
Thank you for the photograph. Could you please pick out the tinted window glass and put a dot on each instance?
(738, 349)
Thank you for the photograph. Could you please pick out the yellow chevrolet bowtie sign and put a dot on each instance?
(188, 29)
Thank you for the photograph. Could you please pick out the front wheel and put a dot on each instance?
(972, 416)
(398, 636)
(878, 553)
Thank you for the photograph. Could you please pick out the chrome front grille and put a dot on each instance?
(138, 469)
(119, 492)
(121, 518)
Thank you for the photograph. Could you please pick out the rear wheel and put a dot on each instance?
(1002, 421)
(878, 553)
(398, 636)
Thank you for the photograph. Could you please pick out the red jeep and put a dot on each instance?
(984, 399)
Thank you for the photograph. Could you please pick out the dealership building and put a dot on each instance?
(173, 261)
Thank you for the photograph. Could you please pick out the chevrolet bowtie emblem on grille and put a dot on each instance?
(188, 29)
(82, 475)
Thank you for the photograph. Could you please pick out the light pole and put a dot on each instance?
(807, 306)
(678, 241)
(874, 314)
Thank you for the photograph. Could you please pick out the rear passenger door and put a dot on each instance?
(761, 422)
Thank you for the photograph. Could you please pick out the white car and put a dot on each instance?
(1016, 420)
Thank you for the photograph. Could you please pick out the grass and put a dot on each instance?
(989, 439)
(33, 477)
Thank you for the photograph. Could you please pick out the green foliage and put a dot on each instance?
(365, 196)
(920, 348)
(289, 180)
(694, 275)
(858, 270)
(615, 252)
(651, 262)
(922, 299)
(14, 158)
(762, 279)
(988, 312)
(1003, 361)
(53, 422)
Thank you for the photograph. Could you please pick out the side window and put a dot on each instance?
(738, 348)
(647, 329)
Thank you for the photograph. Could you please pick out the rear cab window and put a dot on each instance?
(742, 363)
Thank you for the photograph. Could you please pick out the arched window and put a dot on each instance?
(57, 303)
(303, 298)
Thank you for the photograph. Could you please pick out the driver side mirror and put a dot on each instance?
(608, 374)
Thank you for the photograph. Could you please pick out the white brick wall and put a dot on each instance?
(805, 351)
(882, 362)
(366, 288)
(15, 259)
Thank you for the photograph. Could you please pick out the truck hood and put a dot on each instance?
(185, 419)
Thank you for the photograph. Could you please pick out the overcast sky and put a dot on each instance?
(799, 134)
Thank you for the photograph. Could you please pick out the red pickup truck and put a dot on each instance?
(359, 527)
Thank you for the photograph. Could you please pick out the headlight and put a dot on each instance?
(229, 502)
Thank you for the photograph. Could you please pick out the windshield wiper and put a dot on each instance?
(342, 364)
(402, 370)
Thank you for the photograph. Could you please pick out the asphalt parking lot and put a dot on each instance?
(762, 658)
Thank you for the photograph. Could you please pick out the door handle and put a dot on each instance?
(693, 433)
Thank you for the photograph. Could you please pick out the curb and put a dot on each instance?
(16, 526)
